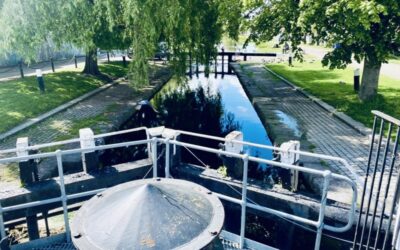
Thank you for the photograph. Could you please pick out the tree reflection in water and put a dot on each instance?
(199, 111)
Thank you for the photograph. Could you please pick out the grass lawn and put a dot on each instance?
(324, 84)
(114, 69)
(20, 99)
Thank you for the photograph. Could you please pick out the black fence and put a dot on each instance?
(379, 200)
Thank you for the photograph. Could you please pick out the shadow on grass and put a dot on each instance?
(114, 69)
(324, 84)
(21, 99)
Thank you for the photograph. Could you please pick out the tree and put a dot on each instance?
(192, 27)
(30, 23)
(366, 30)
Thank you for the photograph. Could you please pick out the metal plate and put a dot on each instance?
(148, 214)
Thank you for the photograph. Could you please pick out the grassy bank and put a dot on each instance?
(20, 99)
(336, 88)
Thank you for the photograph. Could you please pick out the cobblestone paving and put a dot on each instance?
(121, 97)
(327, 134)
(109, 109)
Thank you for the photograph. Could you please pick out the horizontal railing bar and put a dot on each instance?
(293, 167)
(31, 204)
(233, 53)
(84, 194)
(198, 147)
(268, 210)
(73, 151)
(283, 214)
(49, 201)
(120, 132)
(322, 156)
(255, 159)
(386, 117)
(51, 144)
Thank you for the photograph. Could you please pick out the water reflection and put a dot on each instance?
(214, 106)
(197, 110)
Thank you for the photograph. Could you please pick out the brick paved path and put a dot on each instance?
(114, 105)
(120, 97)
(327, 134)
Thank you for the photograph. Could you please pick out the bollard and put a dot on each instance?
(245, 57)
(291, 159)
(290, 60)
(234, 165)
(76, 62)
(356, 80)
(108, 56)
(21, 70)
(27, 168)
(52, 64)
(124, 61)
(40, 80)
(90, 159)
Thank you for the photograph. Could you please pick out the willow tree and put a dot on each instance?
(187, 26)
(192, 27)
(364, 30)
(27, 24)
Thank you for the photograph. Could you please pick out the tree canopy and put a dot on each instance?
(193, 27)
(366, 30)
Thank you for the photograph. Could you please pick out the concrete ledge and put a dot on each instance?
(278, 199)
(359, 127)
(52, 112)
(74, 183)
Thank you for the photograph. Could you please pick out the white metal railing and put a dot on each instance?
(171, 138)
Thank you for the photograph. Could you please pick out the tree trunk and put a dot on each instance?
(91, 66)
(370, 80)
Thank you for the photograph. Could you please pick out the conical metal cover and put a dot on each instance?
(149, 214)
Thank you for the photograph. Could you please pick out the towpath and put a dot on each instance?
(103, 112)
(290, 115)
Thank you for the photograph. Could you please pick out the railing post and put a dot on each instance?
(63, 194)
(216, 66)
(2, 228)
(76, 62)
(167, 158)
(320, 225)
(197, 67)
(223, 57)
(190, 64)
(244, 200)
(154, 156)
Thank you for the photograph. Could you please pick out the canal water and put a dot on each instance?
(237, 111)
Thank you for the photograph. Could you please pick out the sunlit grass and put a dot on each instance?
(20, 99)
(325, 84)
